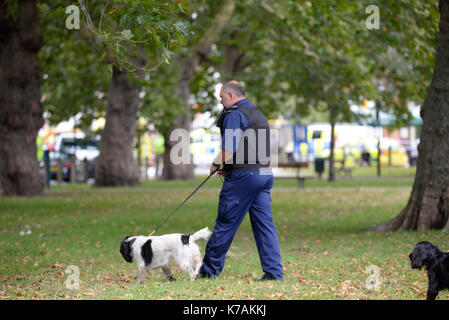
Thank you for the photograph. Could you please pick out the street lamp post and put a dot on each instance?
(378, 138)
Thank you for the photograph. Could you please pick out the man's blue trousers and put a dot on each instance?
(244, 191)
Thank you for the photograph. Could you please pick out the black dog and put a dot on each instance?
(436, 263)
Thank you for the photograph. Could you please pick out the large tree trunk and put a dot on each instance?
(234, 61)
(20, 100)
(428, 206)
(171, 170)
(115, 166)
(189, 64)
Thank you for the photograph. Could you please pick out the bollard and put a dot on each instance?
(147, 160)
(319, 166)
(59, 172)
(389, 156)
(47, 168)
(72, 168)
(85, 170)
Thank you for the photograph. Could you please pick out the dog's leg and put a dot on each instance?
(194, 269)
(432, 294)
(191, 272)
(197, 266)
(167, 274)
(432, 291)
(188, 267)
(195, 272)
(140, 274)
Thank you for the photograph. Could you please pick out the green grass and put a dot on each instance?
(369, 172)
(323, 254)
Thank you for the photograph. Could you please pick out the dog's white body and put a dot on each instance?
(161, 250)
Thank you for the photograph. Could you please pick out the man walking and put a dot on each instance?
(244, 161)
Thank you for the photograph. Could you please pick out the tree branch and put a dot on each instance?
(203, 46)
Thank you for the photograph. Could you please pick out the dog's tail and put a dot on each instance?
(202, 234)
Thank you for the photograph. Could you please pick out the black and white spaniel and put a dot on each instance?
(152, 252)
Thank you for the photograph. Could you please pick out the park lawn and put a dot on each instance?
(323, 252)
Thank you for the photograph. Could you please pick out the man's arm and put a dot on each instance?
(233, 125)
(223, 156)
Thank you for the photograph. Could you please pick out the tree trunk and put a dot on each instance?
(20, 100)
(428, 206)
(199, 51)
(233, 62)
(173, 171)
(115, 166)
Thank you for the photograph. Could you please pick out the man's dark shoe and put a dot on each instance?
(203, 275)
(267, 277)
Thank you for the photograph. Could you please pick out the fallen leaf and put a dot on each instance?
(91, 294)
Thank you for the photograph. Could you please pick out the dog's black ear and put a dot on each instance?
(416, 257)
(147, 253)
(424, 254)
(185, 238)
(435, 250)
(126, 249)
(429, 253)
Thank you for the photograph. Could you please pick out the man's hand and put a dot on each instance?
(213, 169)
(217, 166)
(216, 169)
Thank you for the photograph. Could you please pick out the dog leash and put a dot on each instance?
(155, 230)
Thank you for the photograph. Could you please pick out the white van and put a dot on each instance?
(77, 144)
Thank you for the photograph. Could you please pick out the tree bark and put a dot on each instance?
(189, 64)
(428, 205)
(233, 59)
(115, 166)
(173, 171)
(21, 109)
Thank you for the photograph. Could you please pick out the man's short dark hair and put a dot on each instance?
(234, 87)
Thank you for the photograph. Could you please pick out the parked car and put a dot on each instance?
(399, 157)
(412, 152)
(78, 145)
(65, 163)
(67, 145)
